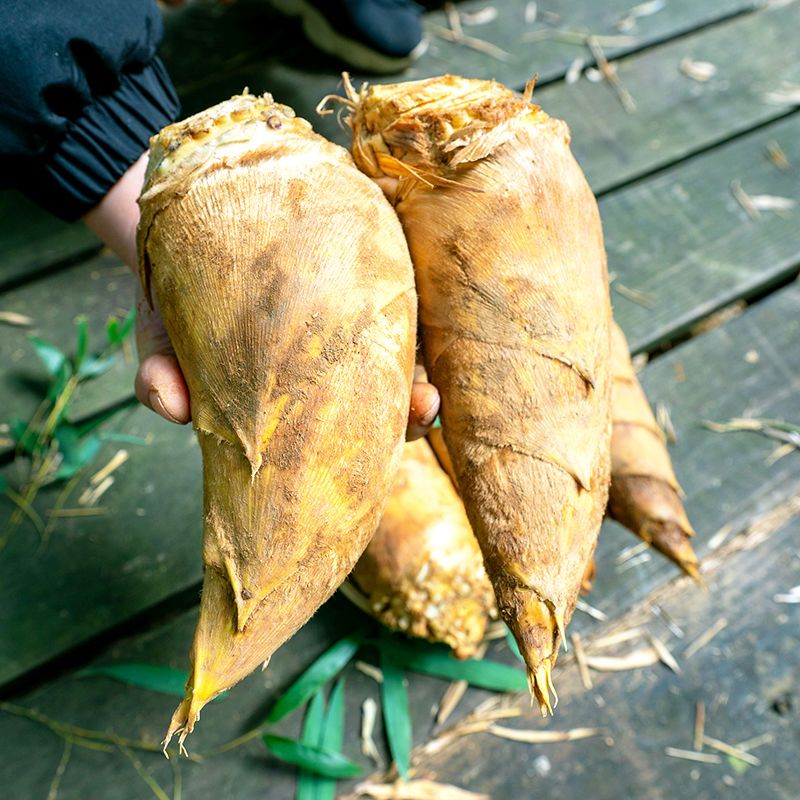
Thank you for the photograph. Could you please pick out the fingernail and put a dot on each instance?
(157, 404)
(429, 416)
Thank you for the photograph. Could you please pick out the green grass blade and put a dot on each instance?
(437, 661)
(310, 757)
(127, 324)
(313, 725)
(52, 358)
(155, 677)
(396, 716)
(332, 737)
(327, 666)
(95, 366)
(82, 346)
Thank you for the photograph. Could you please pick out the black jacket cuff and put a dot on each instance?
(103, 142)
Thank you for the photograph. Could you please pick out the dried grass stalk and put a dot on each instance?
(638, 659)
(416, 790)
(544, 737)
(691, 755)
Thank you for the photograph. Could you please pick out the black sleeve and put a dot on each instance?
(81, 93)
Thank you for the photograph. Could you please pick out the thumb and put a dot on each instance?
(159, 383)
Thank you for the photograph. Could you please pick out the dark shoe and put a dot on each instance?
(371, 35)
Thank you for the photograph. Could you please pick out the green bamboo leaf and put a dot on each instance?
(97, 419)
(327, 666)
(313, 725)
(95, 366)
(117, 332)
(82, 347)
(333, 730)
(112, 331)
(156, 677)
(437, 661)
(332, 737)
(512, 644)
(127, 324)
(310, 757)
(76, 455)
(52, 358)
(396, 716)
(66, 436)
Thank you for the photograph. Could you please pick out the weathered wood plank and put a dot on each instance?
(238, 38)
(156, 499)
(749, 367)
(675, 115)
(31, 240)
(190, 524)
(682, 239)
(550, 57)
(743, 676)
(97, 571)
(96, 289)
(209, 50)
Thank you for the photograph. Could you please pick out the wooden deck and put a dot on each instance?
(123, 586)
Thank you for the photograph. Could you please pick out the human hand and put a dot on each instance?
(159, 383)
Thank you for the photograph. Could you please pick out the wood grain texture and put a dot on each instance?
(32, 241)
(743, 676)
(703, 251)
(682, 240)
(727, 482)
(675, 115)
(693, 249)
(739, 244)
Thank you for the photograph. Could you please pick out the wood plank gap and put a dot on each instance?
(686, 332)
(688, 157)
(38, 273)
(75, 658)
(618, 53)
